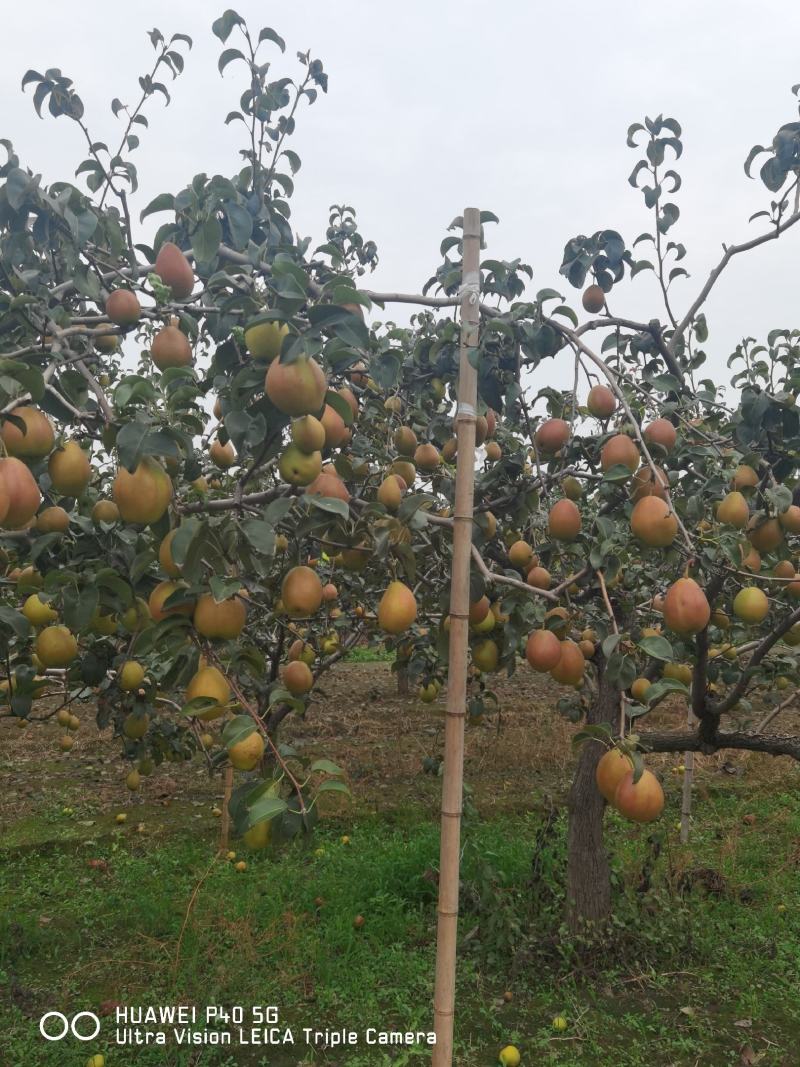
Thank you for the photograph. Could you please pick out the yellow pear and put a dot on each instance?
(397, 609)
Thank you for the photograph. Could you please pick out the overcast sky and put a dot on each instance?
(517, 107)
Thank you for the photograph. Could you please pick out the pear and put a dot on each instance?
(734, 510)
(245, 754)
(390, 492)
(301, 591)
(264, 339)
(299, 468)
(144, 495)
(308, 434)
(123, 307)
(69, 469)
(296, 388)
(171, 348)
(397, 609)
(173, 269)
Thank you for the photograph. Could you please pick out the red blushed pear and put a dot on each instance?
(790, 519)
(641, 801)
(70, 469)
(330, 485)
(686, 609)
(564, 521)
(593, 299)
(297, 388)
(174, 270)
(601, 402)
(34, 439)
(571, 666)
(552, 435)
(619, 450)
(611, 769)
(21, 490)
(661, 432)
(397, 609)
(171, 348)
(647, 483)
(734, 510)
(123, 308)
(543, 650)
(765, 535)
(653, 522)
(334, 426)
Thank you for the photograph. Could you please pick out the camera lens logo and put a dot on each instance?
(54, 1026)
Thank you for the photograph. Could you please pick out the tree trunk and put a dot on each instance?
(402, 680)
(588, 873)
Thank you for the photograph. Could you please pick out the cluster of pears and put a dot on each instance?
(485, 617)
(216, 620)
(29, 438)
(640, 801)
(549, 650)
(122, 305)
(652, 519)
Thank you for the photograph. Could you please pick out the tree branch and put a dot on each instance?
(729, 253)
(772, 744)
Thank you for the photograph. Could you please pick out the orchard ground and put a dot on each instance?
(701, 971)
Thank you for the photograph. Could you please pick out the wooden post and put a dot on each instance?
(452, 783)
(225, 824)
(686, 795)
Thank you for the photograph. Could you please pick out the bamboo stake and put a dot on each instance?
(688, 776)
(452, 783)
(225, 825)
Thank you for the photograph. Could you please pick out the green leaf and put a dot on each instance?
(260, 534)
(206, 239)
(332, 785)
(223, 26)
(181, 543)
(14, 620)
(610, 644)
(263, 809)
(326, 766)
(129, 444)
(268, 34)
(223, 588)
(658, 690)
(198, 705)
(228, 56)
(601, 732)
(331, 505)
(163, 202)
(240, 727)
(657, 647)
(240, 223)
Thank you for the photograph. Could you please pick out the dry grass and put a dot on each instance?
(512, 755)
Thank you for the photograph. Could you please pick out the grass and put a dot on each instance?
(692, 976)
(368, 654)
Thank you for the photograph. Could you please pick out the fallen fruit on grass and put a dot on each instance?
(509, 1056)
(559, 1023)
(121, 818)
(240, 866)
